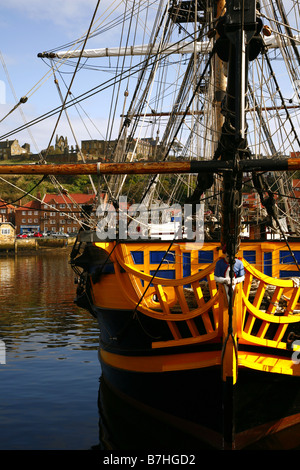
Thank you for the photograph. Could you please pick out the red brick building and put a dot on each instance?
(55, 213)
(60, 213)
(27, 217)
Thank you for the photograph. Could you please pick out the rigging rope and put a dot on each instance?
(3, 204)
(73, 133)
(73, 77)
(97, 89)
(182, 119)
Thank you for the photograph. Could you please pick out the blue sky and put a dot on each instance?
(27, 28)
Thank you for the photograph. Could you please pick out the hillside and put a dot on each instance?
(134, 186)
(10, 192)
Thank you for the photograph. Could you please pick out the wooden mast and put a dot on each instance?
(142, 168)
(236, 29)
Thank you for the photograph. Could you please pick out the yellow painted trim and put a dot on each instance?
(188, 361)
(160, 280)
(185, 341)
(197, 312)
(162, 363)
(266, 363)
(229, 364)
(282, 319)
(267, 279)
(246, 338)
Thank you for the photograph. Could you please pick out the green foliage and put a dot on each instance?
(9, 186)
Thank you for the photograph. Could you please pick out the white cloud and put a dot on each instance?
(73, 16)
(57, 11)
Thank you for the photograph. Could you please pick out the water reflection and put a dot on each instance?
(127, 425)
(49, 384)
(37, 303)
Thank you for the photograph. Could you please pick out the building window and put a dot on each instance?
(30, 221)
(24, 212)
(52, 222)
(5, 231)
(23, 221)
(36, 212)
(62, 221)
(62, 206)
(36, 221)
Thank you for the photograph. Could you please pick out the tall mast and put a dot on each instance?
(236, 30)
(220, 77)
(220, 84)
(238, 43)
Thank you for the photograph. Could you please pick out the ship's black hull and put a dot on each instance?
(191, 402)
(259, 405)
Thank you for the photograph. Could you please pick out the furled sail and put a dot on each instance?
(182, 47)
(177, 48)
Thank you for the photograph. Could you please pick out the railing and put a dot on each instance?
(265, 318)
(262, 317)
(166, 299)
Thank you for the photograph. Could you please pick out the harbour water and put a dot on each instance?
(50, 383)
(50, 379)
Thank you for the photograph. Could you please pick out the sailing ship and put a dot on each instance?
(171, 337)
(211, 128)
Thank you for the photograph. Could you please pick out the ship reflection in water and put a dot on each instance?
(127, 425)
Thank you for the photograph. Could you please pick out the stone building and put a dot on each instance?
(102, 149)
(97, 148)
(61, 144)
(12, 148)
(7, 231)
